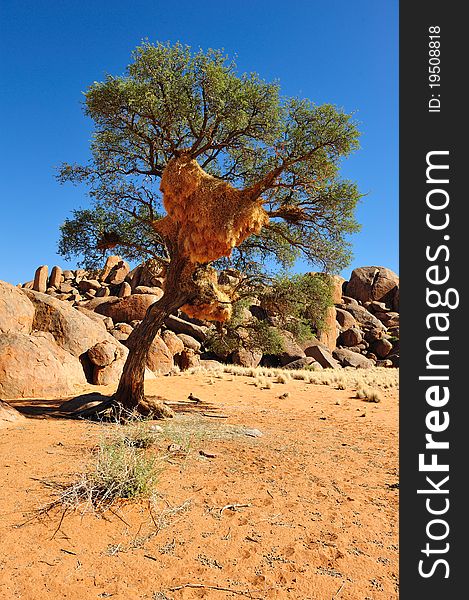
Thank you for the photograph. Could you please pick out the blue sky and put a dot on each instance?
(341, 51)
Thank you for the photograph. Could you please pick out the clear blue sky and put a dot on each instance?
(341, 51)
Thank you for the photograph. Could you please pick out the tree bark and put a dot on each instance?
(179, 289)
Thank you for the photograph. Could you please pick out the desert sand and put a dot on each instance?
(306, 511)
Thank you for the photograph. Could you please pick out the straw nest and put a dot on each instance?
(208, 216)
(212, 302)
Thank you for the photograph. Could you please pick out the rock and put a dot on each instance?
(374, 306)
(125, 290)
(189, 342)
(111, 262)
(386, 363)
(81, 274)
(16, 310)
(151, 272)
(33, 366)
(103, 292)
(210, 364)
(345, 319)
(373, 283)
(301, 363)
(328, 333)
(374, 334)
(364, 317)
(347, 358)
(159, 359)
(28, 285)
(105, 322)
(40, 279)
(246, 358)
(9, 415)
(118, 273)
(382, 347)
(144, 289)
(253, 433)
(56, 277)
(68, 274)
(93, 304)
(104, 353)
(188, 359)
(181, 326)
(291, 350)
(347, 300)
(174, 343)
(309, 343)
(323, 357)
(121, 331)
(86, 285)
(351, 337)
(124, 310)
(71, 329)
(259, 313)
(66, 288)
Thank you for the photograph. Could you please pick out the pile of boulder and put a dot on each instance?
(69, 328)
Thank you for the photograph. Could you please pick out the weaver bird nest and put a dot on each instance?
(207, 215)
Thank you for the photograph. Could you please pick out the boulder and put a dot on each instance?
(144, 289)
(104, 353)
(124, 310)
(174, 343)
(125, 290)
(301, 363)
(9, 415)
(121, 331)
(72, 330)
(40, 279)
(189, 342)
(291, 350)
(373, 334)
(351, 337)
(111, 263)
(345, 319)
(347, 358)
(16, 310)
(382, 348)
(373, 283)
(364, 317)
(105, 322)
(181, 326)
(328, 333)
(323, 357)
(188, 359)
(34, 365)
(246, 358)
(159, 359)
(86, 285)
(309, 343)
(56, 277)
(151, 272)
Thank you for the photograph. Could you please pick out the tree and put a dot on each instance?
(247, 176)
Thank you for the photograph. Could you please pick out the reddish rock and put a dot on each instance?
(189, 342)
(56, 277)
(328, 333)
(125, 290)
(188, 359)
(144, 289)
(125, 310)
(348, 358)
(35, 366)
(72, 330)
(345, 319)
(121, 331)
(160, 359)
(40, 279)
(373, 283)
(118, 273)
(16, 310)
(174, 343)
(111, 262)
(351, 337)
(382, 347)
(9, 415)
(246, 358)
(323, 357)
(104, 353)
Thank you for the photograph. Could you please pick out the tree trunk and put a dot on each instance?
(179, 289)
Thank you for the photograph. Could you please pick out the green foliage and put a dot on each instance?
(299, 303)
(240, 332)
(238, 128)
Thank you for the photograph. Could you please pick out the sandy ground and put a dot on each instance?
(314, 500)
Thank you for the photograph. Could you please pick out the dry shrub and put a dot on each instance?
(211, 216)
